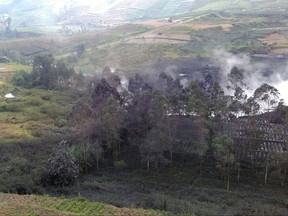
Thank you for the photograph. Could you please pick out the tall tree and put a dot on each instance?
(107, 124)
(267, 95)
(224, 149)
(147, 113)
(50, 74)
(251, 106)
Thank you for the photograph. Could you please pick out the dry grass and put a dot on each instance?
(275, 38)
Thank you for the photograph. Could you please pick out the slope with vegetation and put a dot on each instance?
(159, 138)
(45, 205)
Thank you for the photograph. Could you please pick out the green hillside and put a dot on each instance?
(11, 204)
(244, 5)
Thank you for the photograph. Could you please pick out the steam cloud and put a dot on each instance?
(270, 70)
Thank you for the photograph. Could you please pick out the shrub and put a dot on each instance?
(120, 164)
(3, 106)
(21, 78)
(52, 110)
(61, 169)
(33, 101)
(46, 97)
(14, 107)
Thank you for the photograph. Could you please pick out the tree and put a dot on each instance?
(88, 153)
(251, 107)
(224, 150)
(152, 148)
(283, 158)
(43, 73)
(147, 113)
(197, 101)
(49, 74)
(236, 83)
(107, 124)
(267, 95)
(201, 144)
(174, 92)
(137, 85)
(236, 78)
(214, 97)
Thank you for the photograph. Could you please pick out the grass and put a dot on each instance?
(12, 67)
(224, 4)
(35, 113)
(11, 204)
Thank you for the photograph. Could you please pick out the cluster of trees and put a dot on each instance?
(153, 117)
(47, 73)
(159, 119)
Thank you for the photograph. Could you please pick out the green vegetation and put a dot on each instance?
(46, 205)
(156, 140)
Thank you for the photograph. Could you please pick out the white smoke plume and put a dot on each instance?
(255, 72)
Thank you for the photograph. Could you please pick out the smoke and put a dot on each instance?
(184, 82)
(124, 82)
(172, 71)
(257, 70)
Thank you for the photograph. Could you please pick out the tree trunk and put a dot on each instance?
(85, 157)
(283, 181)
(97, 163)
(148, 162)
(171, 156)
(228, 180)
(238, 174)
(266, 173)
(201, 170)
(170, 142)
(115, 153)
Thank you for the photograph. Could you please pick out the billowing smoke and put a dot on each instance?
(124, 82)
(257, 69)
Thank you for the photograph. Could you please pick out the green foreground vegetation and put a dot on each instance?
(45, 205)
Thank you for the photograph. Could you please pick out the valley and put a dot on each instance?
(143, 107)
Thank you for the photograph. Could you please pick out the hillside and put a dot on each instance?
(26, 13)
(127, 107)
(12, 204)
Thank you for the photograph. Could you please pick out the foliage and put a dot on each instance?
(21, 78)
(47, 205)
(267, 94)
(120, 164)
(88, 154)
(62, 169)
(46, 73)
(225, 154)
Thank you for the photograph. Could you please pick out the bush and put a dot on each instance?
(15, 176)
(21, 78)
(52, 111)
(181, 206)
(120, 164)
(14, 107)
(3, 106)
(33, 101)
(46, 97)
(61, 169)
